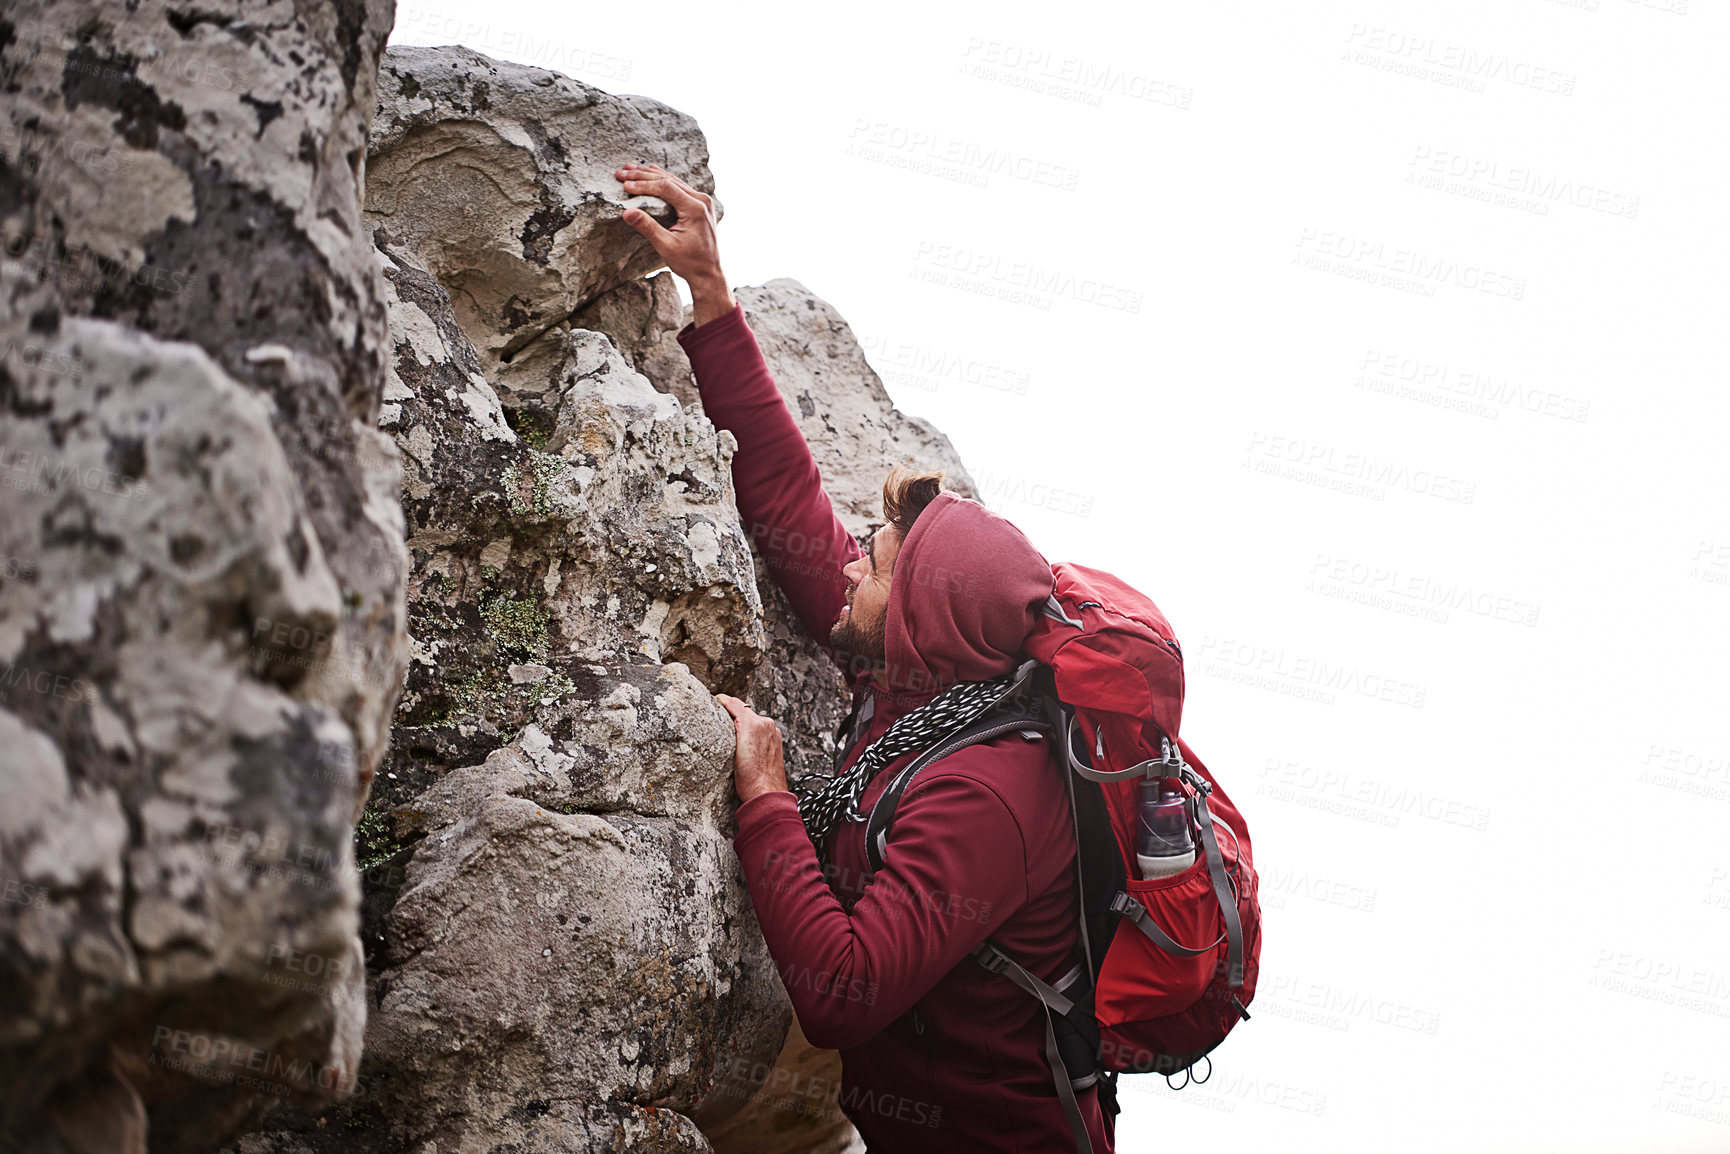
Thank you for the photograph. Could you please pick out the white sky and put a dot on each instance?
(1188, 391)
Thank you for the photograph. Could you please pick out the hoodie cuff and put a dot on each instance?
(695, 336)
(759, 816)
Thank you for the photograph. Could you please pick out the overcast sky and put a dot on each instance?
(1384, 346)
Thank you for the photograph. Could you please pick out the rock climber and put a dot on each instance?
(937, 1053)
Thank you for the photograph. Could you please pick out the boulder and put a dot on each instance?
(201, 604)
(603, 531)
(501, 177)
(249, 433)
(855, 431)
(562, 951)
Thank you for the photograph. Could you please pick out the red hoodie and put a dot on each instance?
(937, 1054)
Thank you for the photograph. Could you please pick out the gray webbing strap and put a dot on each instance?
(1223, 891)
(1053, 608)
(1080, 882)
(1133, 910)
(999, 962)
(1140, 769)
(1222, 888)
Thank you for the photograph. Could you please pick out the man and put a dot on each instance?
(937, 1052)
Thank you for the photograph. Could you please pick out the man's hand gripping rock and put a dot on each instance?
(689, 247)
(758, 767)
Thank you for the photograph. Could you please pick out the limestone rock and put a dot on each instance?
(246, 435)
(855, 431)
(201, 613)
(590, 962)
(501, 177)
(564, 947)
(643, 318)
(603, 531)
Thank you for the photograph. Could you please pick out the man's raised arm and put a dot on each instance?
(779, 490)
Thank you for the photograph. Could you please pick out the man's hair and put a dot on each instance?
(906, 493)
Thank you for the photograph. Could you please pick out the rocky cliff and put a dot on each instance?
(350, 449)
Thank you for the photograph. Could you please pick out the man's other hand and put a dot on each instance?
(689, 247)
(757, 764)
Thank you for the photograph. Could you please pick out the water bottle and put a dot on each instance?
(1163, 844)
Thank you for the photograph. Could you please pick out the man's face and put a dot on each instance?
(860, 629)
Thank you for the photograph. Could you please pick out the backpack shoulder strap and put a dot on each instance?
(1004, 719)
(1012, 712)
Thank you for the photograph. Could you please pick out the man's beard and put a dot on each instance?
(852, 641)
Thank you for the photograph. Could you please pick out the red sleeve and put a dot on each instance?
(957, 873)
(780, 492)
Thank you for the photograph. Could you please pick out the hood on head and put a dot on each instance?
(967, 590)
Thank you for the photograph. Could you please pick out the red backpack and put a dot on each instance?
(1168, 966)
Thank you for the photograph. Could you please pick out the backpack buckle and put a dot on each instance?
(991, 958)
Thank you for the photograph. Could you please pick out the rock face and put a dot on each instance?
(201, 599)
(501, 177)
(854, 429)
(248, 433)
(566, 943)
(643, 317)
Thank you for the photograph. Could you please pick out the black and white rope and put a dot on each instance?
(833, 797)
